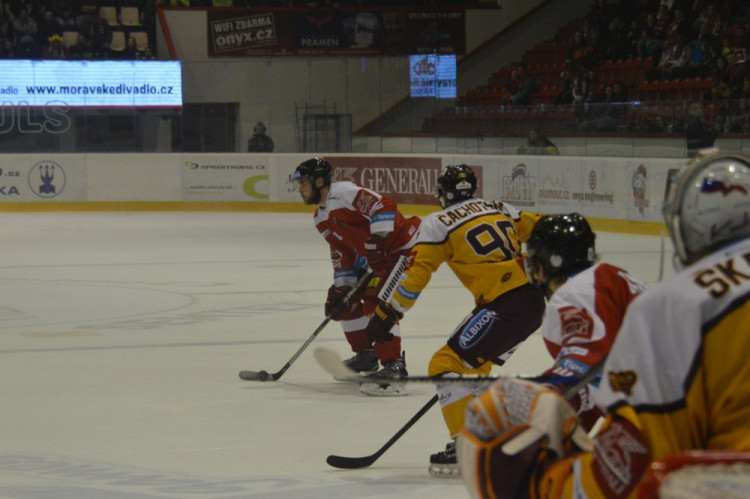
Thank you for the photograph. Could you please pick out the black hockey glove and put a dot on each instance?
(379, 328)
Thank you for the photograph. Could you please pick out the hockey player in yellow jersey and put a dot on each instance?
(676, 379)
(481, 242)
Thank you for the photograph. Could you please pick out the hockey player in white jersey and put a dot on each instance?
(677, 377)
(586, 302)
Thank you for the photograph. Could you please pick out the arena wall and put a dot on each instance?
(624, 192)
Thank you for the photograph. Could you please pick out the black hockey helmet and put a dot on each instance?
(312, 169)
(561, 245)
(455, 183)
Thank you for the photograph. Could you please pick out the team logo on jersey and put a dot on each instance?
(476, 329)
(365, 202)
(374, 282)
(575, 322)
(622, 381)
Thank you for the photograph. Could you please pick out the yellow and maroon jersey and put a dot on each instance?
(479, 240)
(677, 377)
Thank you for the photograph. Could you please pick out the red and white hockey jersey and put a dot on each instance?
(582, 319)
(351, 214)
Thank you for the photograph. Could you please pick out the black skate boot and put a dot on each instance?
(363, 362)
(444, 463)
(384, 382)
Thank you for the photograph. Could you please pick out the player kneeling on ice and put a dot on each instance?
(481, 242)
(362, 228)
(586, 302)
(676, 379)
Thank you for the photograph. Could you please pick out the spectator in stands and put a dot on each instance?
(601, 117)
(656, 34)
(720, 70)
(522, 87)
(98, 35)
(633, 37)
(740, 122)
(698, 133)
(702, 52)
(566, 84)
(7, 50)
(55, 48)
(79, 50)
(582, 91)
(615, 44)
(736, 73)
(620, 92)
(48, 26)
(260, 142)
(673, 58)
(131, 52)
(711, 15)
(63, 12)
(581, 51)
(147, 54)
(538, 144)
(680, 25)
(26, 31)
(6, 25)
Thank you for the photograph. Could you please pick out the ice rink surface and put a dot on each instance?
(123, 335)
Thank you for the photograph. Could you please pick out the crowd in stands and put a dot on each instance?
(632, 66)
(77, 30)
(684, 41)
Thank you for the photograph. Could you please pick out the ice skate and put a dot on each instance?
(444, 463)
(382, 383)
(363, 362)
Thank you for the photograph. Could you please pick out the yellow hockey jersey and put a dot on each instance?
(480, 241)
(678, 372)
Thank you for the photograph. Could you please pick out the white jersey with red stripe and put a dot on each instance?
(350, 215)
(583, 316)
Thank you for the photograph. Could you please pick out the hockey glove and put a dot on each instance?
(377, 255)
(337, 309)
(379, 328)
(513, 432)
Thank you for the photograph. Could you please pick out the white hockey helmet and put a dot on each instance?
(707, 204)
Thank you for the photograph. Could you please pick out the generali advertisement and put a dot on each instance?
(629, 189)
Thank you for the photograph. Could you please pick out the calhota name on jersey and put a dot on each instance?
(461, 211)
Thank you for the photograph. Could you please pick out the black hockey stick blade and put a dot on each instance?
(260, 375)
(350, 463)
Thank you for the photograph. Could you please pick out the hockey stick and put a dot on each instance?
(365, 461)
(266, 376)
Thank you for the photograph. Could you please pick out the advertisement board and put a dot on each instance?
(340, 32)
(65, 84)
(225, 178)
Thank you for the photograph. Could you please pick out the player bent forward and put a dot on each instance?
(677, 377)
(481, 242)
(586, 302)
(362, 228)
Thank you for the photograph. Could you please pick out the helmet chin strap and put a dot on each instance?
(316, 195)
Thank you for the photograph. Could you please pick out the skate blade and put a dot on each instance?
(391, 389)
(444, 470)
